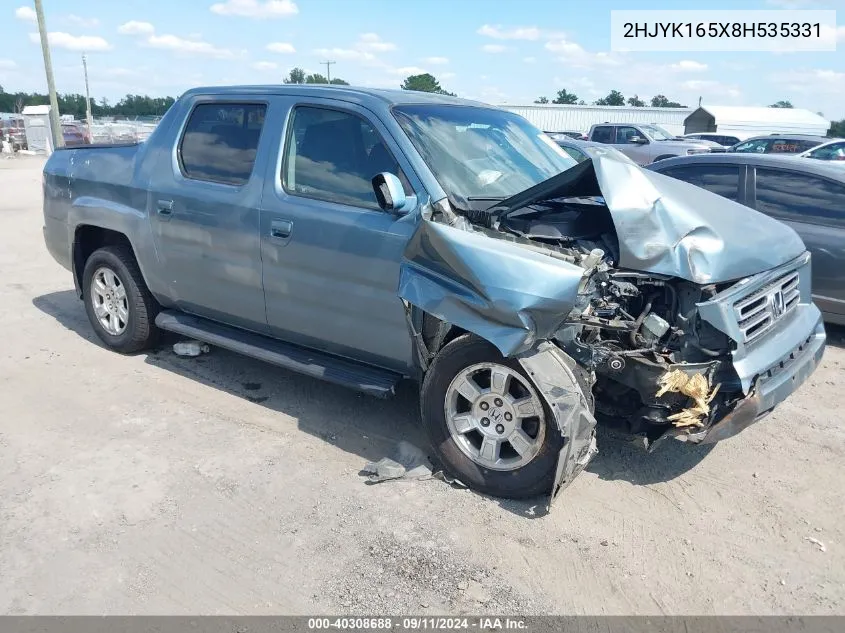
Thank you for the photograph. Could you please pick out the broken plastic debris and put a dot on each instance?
(816, 542)
(696, 387)
(190, 348)
(407, 462)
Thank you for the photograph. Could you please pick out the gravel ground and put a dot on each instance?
(154, 484)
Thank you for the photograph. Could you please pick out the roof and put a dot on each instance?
(756, 115)
(36, 109)
(790, 135)
(807, 165)
(331, 91)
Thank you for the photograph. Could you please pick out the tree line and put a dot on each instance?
(130, 106)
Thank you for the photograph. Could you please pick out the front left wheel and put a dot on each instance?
(119, 305)
(487, 422)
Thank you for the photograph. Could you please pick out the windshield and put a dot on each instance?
(480, 152)
(657, 133)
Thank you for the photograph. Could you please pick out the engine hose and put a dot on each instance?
(638, 323)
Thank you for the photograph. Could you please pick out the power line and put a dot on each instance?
(328, 70)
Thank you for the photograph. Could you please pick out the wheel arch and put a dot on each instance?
(87, 238)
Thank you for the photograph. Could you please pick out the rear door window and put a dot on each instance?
(800, 197)
(603, 134)
(220, 142)
(785, 146)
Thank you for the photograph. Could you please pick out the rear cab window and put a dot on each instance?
(603, 134)
(720, 179)
(332, 155)
(220, 142)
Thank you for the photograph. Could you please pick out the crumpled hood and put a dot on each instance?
(671, 227)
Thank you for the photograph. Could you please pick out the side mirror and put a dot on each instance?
(639, 140)
(390, 194)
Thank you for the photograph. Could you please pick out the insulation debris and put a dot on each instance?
(696, 387)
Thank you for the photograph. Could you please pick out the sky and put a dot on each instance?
(511, 52)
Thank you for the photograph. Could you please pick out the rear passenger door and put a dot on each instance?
(331, 256)
(204, 210)
(815, 207)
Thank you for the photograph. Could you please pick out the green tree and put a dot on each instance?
(614, 98)
(541, 100)
(636, 102)
(565, 98)
(296, 76)
(837, 129)
(316, 78)
(660, 101)
(781, 104)
(339, 82)
(424, 83)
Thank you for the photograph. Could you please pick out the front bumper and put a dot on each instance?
(771, 387)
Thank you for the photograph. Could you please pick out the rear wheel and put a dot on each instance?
(120, 308)
(487, 422)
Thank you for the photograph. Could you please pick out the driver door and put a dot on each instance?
(640, 153)
(330, 254)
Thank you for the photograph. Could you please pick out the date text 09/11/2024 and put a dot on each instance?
(418, 623)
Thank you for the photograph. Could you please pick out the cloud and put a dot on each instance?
(529, 60)
(448, 76)
(372, 42)
(408, 70)
(574, 54)
(87, 23)
(87, 43)
(493, 48)
(256, 9)
(688, 65)
(27, 14)
(265, 65)
(718, 89)
(280, 47)
(133, 27)
(436, 61)
(497, 31)
(349, 54)
(7, 64)
(190, 47)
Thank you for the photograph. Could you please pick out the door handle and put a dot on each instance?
(281, 229)
(164, 207)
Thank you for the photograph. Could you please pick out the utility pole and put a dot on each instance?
(88, 116)
(328, 70)
(55, 127)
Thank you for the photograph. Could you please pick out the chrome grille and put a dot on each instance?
(760, 310)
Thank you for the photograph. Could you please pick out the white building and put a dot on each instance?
(579, 118)
(745, 122)
(39, 137)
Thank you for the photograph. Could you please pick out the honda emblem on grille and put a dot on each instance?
(776, 301)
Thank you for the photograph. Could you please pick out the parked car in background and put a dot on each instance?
(779, 144)
(12, 130)
(580, 136)
(807, 195)
(724, 140)
(645, 144)
(75, 134)
(582, 150)
(833, 150)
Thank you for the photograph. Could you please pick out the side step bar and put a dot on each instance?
(340, 371)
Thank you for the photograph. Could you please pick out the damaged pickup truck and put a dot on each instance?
(367, 236)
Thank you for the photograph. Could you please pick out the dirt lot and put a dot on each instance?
(156, 484)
